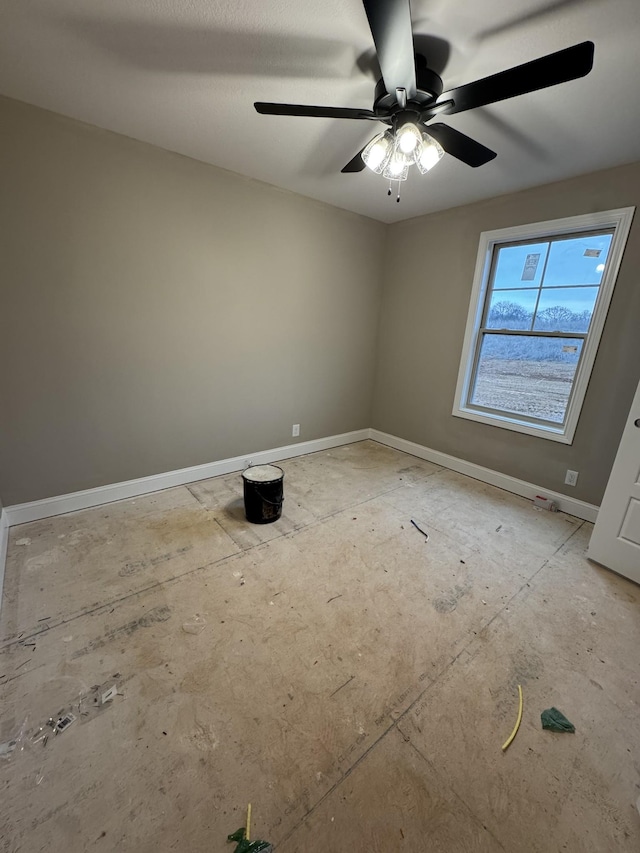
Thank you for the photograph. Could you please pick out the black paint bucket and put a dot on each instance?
(263, 493)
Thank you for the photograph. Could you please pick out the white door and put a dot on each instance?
(616, 537)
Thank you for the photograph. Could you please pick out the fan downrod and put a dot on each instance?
(429, 87)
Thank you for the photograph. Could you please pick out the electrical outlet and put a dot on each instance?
(572, 478)
(295, 430)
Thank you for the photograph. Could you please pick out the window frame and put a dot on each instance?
(620, 221)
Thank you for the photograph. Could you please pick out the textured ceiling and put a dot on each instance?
(183, 74)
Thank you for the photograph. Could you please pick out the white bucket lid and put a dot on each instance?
(263, 473)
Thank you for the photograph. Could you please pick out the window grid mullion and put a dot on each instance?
(486, 330)
(547, 289)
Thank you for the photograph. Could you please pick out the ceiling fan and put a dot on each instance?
(410, 94)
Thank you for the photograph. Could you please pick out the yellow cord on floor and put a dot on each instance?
(517, 725)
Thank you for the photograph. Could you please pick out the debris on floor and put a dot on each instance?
(246, 846)
(7, 748)
(556, 721)
(97, 696)
(424, 532)
(108, 695)
(518, 721)
(83, 708)
(195, 624)
(15, 745)
(243, 836)
(40, 736)
(545, 503)
(62, 723)
(348, 681)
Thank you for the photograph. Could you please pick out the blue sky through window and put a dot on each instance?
(563, 268)
(511, 264)
(580, 260)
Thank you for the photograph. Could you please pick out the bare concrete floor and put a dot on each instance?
(353, 681)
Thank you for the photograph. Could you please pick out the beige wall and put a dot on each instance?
(157, 313)
(429, 269)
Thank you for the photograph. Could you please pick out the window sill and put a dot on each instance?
(562, 434)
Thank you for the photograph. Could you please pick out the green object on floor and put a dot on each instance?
(245, 846)
(556, 721)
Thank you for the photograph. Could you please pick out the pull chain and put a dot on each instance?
(389, 190)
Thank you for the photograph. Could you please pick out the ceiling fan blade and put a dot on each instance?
(357, 164)
(460, 146)
(390, 23)
(435, 109)
(319, 112)
(560, 67)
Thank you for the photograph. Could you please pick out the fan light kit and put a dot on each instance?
(410, 94)
(391, 155)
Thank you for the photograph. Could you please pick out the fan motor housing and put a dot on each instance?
(428, 85)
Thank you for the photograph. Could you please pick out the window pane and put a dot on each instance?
(565, 309)
(511, 309)
(528, 376)
(520, 266)
(580, 260)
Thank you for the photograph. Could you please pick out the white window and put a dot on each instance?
(540, 298)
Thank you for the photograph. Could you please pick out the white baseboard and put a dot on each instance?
(35, 510)
(572, 506)
(4, 541)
